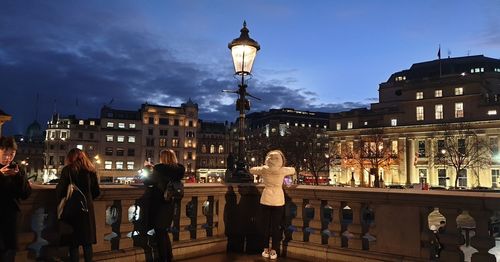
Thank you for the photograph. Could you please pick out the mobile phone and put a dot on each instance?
(12, 165)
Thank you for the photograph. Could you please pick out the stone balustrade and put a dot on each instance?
(321, 223)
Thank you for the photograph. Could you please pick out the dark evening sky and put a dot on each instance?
(316, 55)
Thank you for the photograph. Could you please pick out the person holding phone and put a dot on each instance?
(14, 186)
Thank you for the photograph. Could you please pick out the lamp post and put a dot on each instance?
(243, 50)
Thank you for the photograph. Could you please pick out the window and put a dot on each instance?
(163, 132)
(131, 152)
(150, 131)
(108, 151)
(349, 125)
(439, 111)
(121, 125)
(440, 147)
(339, 126)
(459, 91)
(461, 146)
(190, 123)
(92, 123)
(190, 143)
(420, 95)
(120, 138)
(176, 122)
(221, 149)
(477, 70)
(176, 133)
(203, 148)
(394, 122)
(131, 125)
(130, 165)
(108, 164)
(494, 145)
(394, 147)
(365, 123)
(91, 135)
(495, 177)
(119, 164)
(163, 142)
(212, 149)
(151, 120)
(80, 122)
(131, 139)
(497, 70)
(110, 124)
(420, 113)
(150, 141)
(80, 135)
(175, 142)
(109, 138)
(120, 151)
(421, 148)
(462, 178)
(442, 177)
(400, 78)
(438, 93)
(492, 112)
(163, 121)
(79, 147)
(459, 110)
(189, 155)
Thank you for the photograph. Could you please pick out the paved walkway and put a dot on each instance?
(223, 257)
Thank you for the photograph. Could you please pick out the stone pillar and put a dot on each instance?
(451, 239)
(184, 221)
(315, 223)
(298, 221)
(410, 157)
(482, 241)
(335, 226)
(425, 233)
(355, 228)
(201, 219)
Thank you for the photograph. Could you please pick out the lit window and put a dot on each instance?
(477, 70)
(130, 165)
(120, 138)
(497, 70)
(400, 78)
(132, 125)
(349, 125)
(339, 126)
(108, 164)
(492, 112)
(175, 142)
(438, 93)
(420, 113)
(459, 91)
(439, 111)
(365, 123)
(459, 110)
(110, 124)
(163, 142)
(203, 148)
(221, 149)
(121, 125)
(131, 139)
(394, 146)
(394, 122)
(420, 95)
(92, 123)
(80, 122)
(79, 147)
(119, 164)
(109, 138)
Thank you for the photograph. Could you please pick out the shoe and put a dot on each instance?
(272, 254)
(265, 253)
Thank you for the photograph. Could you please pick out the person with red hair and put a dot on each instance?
(80, 171)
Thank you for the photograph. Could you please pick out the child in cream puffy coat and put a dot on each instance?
(272, 199)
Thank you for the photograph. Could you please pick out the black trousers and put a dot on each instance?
(74, 254)
(164, 245)
(271, 225)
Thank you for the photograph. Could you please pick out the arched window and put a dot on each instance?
(221, 149)
(212, 149)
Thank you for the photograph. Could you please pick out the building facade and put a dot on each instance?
(30, 151)
(212, 151)
(3, 118)
(417, 111)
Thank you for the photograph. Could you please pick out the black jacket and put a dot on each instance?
(83, 228)
(12, 189)
(160, 211)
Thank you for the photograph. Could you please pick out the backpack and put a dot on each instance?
(74, 205)
(174, 191)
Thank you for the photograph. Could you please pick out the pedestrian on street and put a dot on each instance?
(80, 171)
(272, 199)
(13, 186)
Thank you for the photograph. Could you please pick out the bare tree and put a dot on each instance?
(462, 148)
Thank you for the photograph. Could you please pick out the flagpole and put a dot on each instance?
(439, 57)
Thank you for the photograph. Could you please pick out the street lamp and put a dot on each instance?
(243, 50)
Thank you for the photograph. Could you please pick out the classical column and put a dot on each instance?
(410, 158)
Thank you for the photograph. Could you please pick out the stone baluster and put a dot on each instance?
(450, 238)
(355, 228)
(371, 230)
(335, 226)
(201, 219)
(315, 222)
(298, 221)
(482, 241)
(425, 233)
(184, 221)
(219, 225)
(128, 228)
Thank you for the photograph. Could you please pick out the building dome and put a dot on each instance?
(34, 132)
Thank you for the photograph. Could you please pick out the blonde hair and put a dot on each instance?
(168, 156)
(78, 160)
(280, 153)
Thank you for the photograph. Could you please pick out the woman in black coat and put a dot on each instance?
(80, 170)
(161, 212)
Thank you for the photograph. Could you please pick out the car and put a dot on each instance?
(397, 186)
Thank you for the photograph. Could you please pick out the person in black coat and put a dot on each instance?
(80, 170)
(161, 212)
(13, 186)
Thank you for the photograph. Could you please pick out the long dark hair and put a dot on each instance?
(77, 160)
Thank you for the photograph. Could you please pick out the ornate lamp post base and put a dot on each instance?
(239, 175)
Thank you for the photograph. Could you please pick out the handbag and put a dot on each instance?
(174, 191)
(74, 204)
